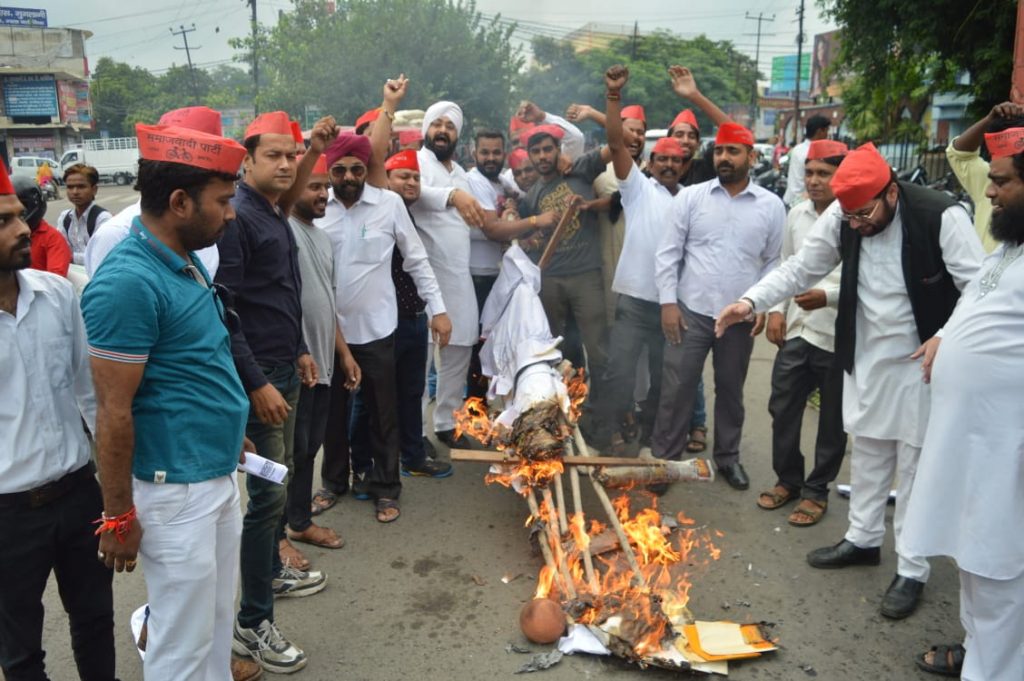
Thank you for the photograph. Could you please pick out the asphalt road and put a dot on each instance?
(423, 598)
(111, 197)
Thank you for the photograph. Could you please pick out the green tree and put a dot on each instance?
(117, 91)
(902, 51)
(338, 61)
(561, 76)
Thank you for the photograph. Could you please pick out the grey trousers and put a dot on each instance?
(682, 366)
(800, 368)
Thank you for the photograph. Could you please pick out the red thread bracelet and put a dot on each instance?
(118, 525)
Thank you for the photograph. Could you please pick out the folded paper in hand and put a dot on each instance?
(263, 468)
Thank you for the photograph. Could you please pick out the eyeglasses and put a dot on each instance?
(868, 217)
(339, 172)
(225, 300)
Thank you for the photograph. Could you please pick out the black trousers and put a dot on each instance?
(800, 368)
(310, 425)
(56, 537)
(379, 399)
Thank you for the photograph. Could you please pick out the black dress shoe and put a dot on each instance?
(843, 555)
(448, 439)
(902, 597)
(735, 475)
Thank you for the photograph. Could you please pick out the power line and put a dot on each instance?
(757, 62)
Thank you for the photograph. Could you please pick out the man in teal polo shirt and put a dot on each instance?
(172, 409)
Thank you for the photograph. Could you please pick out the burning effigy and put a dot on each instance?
(618, 586)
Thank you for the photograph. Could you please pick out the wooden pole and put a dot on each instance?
(494, 456)
(558, 233)
(556, 545)
(545, 548)
(577, 505)
(563, 521)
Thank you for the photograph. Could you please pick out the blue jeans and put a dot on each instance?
(260, 561)
(700, 409)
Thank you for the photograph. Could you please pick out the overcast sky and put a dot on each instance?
(139, 31)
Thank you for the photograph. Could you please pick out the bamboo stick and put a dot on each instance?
(563, 520)
(556, 544)
(545, 548)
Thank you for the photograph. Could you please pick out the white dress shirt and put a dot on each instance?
(817, 327)
(645, 203)
(885, 398)
(484, 254)
(364, 237)
(445, 235)
(716, 245)
(115, 230)
(77, 232)
(795, 180)
(47, 385)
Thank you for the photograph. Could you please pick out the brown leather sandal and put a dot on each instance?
(776, 497)
(808, 512)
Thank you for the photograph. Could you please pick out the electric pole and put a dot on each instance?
(760, 18)
(636, 34)
(799, 64)
(255, 60)
(183, 32)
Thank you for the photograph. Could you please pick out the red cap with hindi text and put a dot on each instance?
(1009, 142)
(686, 116)
(862, 176)
(820, 149)
(517, 158)
(552, 130)
(668, 146)
(270, 123)
(734, 133)
(403, 160)
(367, 118)
(189, 147)
(633, 111)
(201, 118)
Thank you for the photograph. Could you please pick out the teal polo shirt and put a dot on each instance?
(146, 306)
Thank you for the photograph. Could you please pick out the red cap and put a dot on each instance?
(403, 160)
(409, 137)
(516, 124)
(297, 132)
(367, 118)
(201, 118)
(861, 177)
(685, 116)
(668, 146)
(5, 181)
(518, 158)
(820, 149)
(271, 123)
(734, 133)
(634, 111)
(552, 130)
(320, 167)
(189, 147)
(1008, 142)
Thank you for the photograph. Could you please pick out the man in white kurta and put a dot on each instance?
(968, 496)
(445, 236)
(885, 403)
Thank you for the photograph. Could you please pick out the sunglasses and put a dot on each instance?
(868, 217)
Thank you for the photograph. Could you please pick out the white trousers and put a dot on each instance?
(873, 463)
(451, 383)
(992, 614)
(189, 553)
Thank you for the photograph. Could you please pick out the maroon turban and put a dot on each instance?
(348, 144)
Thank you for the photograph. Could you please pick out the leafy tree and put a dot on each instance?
(561, 76)
(902, 51)
(338, 61)
(117, 90)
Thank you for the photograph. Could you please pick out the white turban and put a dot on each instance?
(449, 110)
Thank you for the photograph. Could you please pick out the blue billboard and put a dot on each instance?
(30, 96)
(22, 16)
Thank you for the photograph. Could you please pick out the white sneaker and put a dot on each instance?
(268, 648)
(294, 583)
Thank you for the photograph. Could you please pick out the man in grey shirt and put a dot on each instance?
(323, 338)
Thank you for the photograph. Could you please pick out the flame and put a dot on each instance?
(472, 419)
(576, 383)
(545, 580)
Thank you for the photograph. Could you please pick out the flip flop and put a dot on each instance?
(946, 660)
(327, 539)
(384, 509)
(698, 440)
(323, 500)
(776, 497)
(808, 512)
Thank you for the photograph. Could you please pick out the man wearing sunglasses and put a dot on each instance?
(906, 254)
